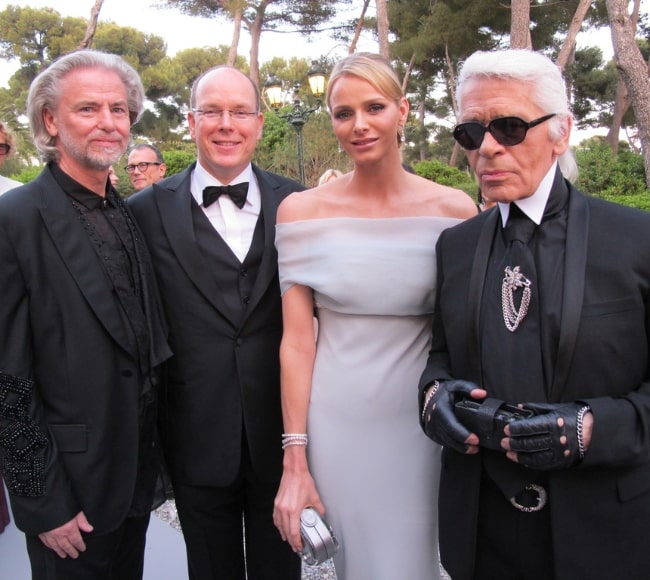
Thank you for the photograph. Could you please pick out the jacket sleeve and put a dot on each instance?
(621, 432)
(39, 490)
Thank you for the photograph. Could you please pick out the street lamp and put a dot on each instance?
(300, 112)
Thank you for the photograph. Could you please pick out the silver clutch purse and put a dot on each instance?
(319, 543)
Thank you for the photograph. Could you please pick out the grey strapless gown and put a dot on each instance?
(376, 472)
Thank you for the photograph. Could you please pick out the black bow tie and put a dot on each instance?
(236, 192)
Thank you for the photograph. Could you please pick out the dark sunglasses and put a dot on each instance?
(506, 131)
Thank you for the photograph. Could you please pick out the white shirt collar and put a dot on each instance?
(534, 205)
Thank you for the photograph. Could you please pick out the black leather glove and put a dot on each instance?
(439, 421)
(552, 438)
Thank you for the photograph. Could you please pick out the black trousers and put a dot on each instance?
(118, 555)
(511, 544)
(215, 522)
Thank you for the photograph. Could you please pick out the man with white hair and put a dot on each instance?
(81, 333)
(538, 380)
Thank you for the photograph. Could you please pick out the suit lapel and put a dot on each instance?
(77, 251)
(174, 203)
(269, 265)
(573, 290)
(476, 284)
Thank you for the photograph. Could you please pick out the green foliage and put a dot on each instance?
(28, 173)
(278, 149)
(178, 159)
(301, 15)
(446, 175)
(602, 174)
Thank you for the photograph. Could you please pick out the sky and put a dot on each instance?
(180, 31)
(199, 32)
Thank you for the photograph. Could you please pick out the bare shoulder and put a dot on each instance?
(318, 202)
(299, 205)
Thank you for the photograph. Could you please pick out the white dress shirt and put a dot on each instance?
(236, 226)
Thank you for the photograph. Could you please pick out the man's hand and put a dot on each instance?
(66, 540)
(438, 419)
(557, 437)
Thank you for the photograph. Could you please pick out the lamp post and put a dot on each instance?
(300, 112)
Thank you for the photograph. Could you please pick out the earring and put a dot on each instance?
(339, 145)
(400, 133)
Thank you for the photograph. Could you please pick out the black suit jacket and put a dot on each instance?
(60, 328)
(225, 370)
(600, 510)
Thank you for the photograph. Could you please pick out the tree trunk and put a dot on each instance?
(455, 153)
(92, 25)
(422, 118)
(236, 33)
(570, 41)
(520, 24)
(359, 28)
(256, 33)
(621, 105)
(622, 100)
(451, 82)
(451, 79)
(382, 27)
(407, 73)
(634, 72)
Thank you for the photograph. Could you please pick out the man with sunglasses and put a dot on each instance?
(145, 166)
(538, 380)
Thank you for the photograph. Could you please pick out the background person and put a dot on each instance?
(81, 333)
(360, 249)
(145, 166)
(329, 175)
(544, 301)
(7, 150)
(217, 267)
(112, 176)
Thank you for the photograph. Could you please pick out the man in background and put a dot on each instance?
(145, 166)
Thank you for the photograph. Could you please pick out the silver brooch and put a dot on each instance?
(513, 280)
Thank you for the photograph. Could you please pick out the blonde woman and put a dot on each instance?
(360, 249)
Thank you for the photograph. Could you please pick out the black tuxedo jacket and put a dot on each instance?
(225, 373)
(600, 510)
(60, 328)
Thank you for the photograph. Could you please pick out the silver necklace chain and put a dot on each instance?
(513, 280)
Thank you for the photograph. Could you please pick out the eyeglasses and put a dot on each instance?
(214, 114)
(506, 131)
(142, 167)
(4, 148)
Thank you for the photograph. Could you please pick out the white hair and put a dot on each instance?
(549, 89)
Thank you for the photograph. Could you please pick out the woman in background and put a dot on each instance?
(7, 150)
(361, 251)
(329, 175)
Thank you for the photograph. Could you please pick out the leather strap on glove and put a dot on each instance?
(439, 421)
(552, 438)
